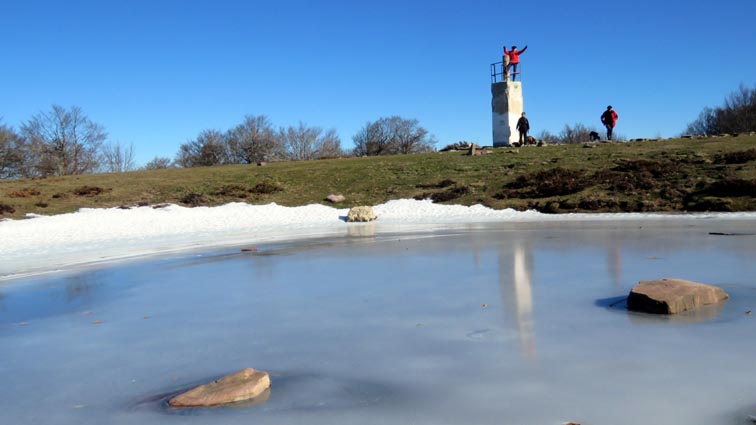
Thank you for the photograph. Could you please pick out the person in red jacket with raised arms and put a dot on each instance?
(514, 59)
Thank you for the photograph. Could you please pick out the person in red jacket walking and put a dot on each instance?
(609, 119)
(514, 59)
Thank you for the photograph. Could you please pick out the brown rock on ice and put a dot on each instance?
(361, 214)
(238, 386)
(671, 296)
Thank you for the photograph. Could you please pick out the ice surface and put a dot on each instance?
(516, 322)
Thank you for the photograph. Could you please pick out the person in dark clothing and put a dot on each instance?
(609, 119)
(514, 59)
(523, 126)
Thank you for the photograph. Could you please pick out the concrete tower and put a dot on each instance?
(506, 105)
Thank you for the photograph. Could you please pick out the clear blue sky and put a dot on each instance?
(155, 73)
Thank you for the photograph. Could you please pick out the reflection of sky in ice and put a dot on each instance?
(393, 329)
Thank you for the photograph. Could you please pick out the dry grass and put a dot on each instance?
(671, 175)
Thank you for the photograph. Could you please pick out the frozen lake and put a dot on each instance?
(516, 323)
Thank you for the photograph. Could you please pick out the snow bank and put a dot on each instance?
(45, 243)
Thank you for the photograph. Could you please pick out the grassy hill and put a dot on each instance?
(716, 174)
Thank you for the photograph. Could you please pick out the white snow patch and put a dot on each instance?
(46, 243)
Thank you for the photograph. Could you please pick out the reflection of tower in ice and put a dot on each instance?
(614, 258)
(519, 294)
(523, 267)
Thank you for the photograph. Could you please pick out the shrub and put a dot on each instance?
(732, 188)
(630, 176)
(450, 194)
(233, 190)
(24, 193)
(553, 182)
(739, 157)
(592, 204)
(194, 199)
(88, 191)
(266, 188)
(440, 185)
(708, 204)
(625, 182)
(461, 145)
(6, 209)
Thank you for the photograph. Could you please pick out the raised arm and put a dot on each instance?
(506, 52)
(524, 49)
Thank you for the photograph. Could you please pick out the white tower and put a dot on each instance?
(506, 106)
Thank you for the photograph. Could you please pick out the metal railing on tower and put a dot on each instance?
(500, 73)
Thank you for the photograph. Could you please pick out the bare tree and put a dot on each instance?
(117, 158)
(304, 142)
(739, 111)
(253, 140)
(12, 153)
(706, 123)
(547, 136)
(410, 137)
(577, 133)
(299, 142)
(158, 163)
(63, 142)
(392, 135)
(329, 145)
(372, 140)
(209, 148)
(737, 115)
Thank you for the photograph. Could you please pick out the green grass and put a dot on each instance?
(669, 175)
